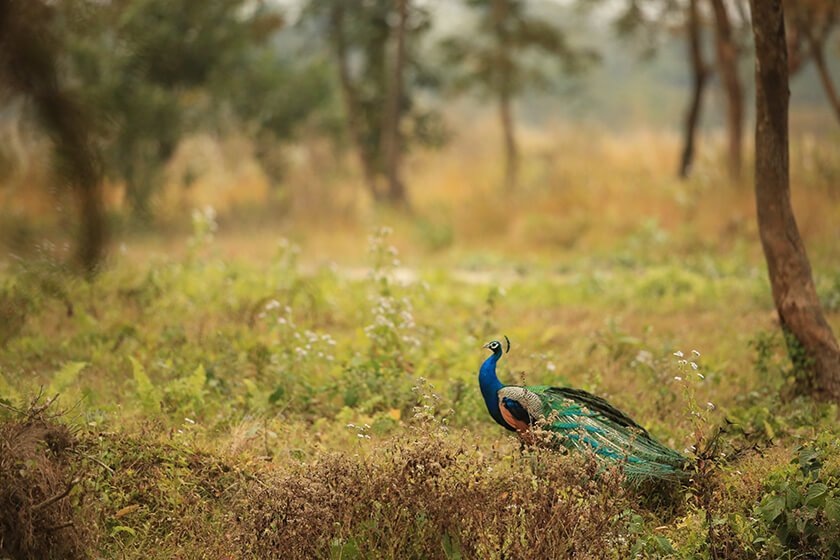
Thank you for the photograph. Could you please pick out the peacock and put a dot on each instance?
(578, 421)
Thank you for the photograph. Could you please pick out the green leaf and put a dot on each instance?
(816, 494)
(450, 547)
(793, 497)
(195, 383)
(66, 376)
(771, 508)
(123, 529)
(664, 545)
(147, 393)
(6, 390)
(832, 509)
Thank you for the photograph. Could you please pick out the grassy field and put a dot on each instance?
(309, 389)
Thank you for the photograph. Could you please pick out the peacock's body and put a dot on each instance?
(579, 421)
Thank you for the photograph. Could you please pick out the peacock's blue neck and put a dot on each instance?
(490, 385)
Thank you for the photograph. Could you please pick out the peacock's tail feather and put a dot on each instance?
(581, 421)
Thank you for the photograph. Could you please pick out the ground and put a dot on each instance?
(309, 389)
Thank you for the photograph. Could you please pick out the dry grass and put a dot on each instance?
(38, 491)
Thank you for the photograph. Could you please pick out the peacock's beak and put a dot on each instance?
(486, 345)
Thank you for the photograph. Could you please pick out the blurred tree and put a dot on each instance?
(271, 97)
(646, 22)
(375, 47)
(497, 60)
(728, 52)
(391, 136)
(811, 344)
(159, 69)
(699, 78)
(811, 22)
(28, 53)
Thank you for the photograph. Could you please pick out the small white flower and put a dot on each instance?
(701, 376)
(679, 354)
(695, 353)
(189, 420)
(677, 378)
(710, 405)
(693, 365)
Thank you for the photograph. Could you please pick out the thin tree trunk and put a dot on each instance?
(700, 74)
(828, 85)
(350, 99)
(391, 138)
(796, 300)
(509, 134)
(727, 56)
(501, 13)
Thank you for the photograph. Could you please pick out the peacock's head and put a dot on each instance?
(496, 346)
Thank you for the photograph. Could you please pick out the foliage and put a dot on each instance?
(157, 70)
(231, 385)
(507, 52)
(801, 504)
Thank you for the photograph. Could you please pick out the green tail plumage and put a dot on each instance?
(585, 422)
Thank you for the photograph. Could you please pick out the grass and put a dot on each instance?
(232, 397)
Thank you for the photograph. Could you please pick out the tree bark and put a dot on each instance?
(816, 48)
(699, 76)
(811, 343)
(391, 137)
(727, 57)
(350, 100)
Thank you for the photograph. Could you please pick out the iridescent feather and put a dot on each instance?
(579, 421)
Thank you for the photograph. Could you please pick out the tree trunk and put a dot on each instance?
(391, 138)
(350, 99)
(700, 74)
(29, 68)
(501, 13)
(817, 54)
(511, 149)
(727, 57)
(811, 343)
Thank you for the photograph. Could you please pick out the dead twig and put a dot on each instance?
(91, 458)
(59, 526)
(49, 501)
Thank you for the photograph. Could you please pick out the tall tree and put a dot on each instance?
(812, 22)
(157, 70)
(728, 51)
(374, 45)
(29, 50)
(497, 60)
(648, 23)
(391, 137)
(699, 79)
(811, 343)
